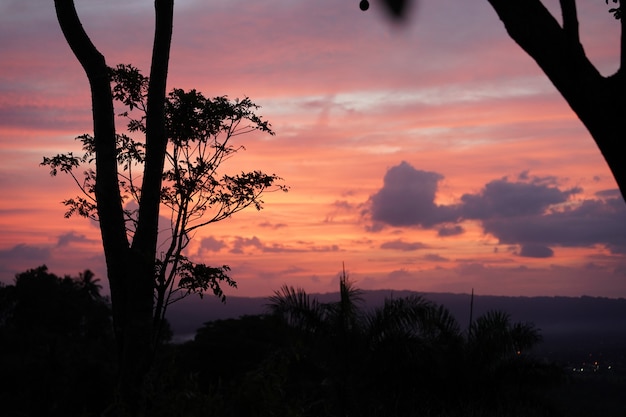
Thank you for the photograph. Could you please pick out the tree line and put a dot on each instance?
(408, 357)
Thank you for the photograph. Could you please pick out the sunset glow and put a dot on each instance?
(430, 156)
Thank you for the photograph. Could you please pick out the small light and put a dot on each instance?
(364, 5)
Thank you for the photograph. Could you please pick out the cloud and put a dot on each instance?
(21, 257)
(501, 198)
(269, 225)
(72, 237)
(591, 223)
(212, 244)
(536, 251)
(242, 244)
(23, 251)
(531, 213)
(403, 246)
(471, 268)
(433, 257)
(342, 210)
(446, 231)
(408, 199)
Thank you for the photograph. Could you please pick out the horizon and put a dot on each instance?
(433, 156)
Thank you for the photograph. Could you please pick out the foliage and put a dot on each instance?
(200, 133)
(617, 11)
(57, 340)
(407, 357)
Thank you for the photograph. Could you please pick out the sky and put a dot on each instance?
(432, 156)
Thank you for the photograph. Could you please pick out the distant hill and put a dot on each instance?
(572, 327)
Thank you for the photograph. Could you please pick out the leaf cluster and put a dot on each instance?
(617, 11)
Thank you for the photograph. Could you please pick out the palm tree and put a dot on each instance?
(326, 335)
(90, 285)
(386, 360)
(407, 357)
(297, 310)
(498, 363)
(415, 348)
(494, 338)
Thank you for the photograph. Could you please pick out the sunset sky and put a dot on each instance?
(430, 156)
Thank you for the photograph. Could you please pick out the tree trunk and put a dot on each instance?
(130, 269)
(599, 102)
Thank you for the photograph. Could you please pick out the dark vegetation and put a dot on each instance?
(56, 344)
(302, 357)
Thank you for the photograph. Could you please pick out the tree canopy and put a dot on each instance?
(57, 352)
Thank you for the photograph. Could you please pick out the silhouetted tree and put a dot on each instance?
(390, 360)
(598, 101)
(130, 266)
(498, 361)
(194, 192)
(132, 262)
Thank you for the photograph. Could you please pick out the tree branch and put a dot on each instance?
(597, 101)
(570, 20)
(145, 239)
(555, 50)
(107, 192)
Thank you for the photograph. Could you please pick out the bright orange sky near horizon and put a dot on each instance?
(432, 156)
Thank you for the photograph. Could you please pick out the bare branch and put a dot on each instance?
(570, 20)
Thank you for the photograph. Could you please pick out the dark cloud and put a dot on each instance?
(525, 176)
(310, 247)
(536, 251)
(532, 213)
(408, 199)
(23, 251)
(212, 244)
(21, 257)
(591, 223)
(241, 244)
(450, 230)
(403, 246)
(71, 237)
(501, 198)
(269, 225)
(433, 257)
(612, 193)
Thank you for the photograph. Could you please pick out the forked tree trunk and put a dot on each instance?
(130, 268)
